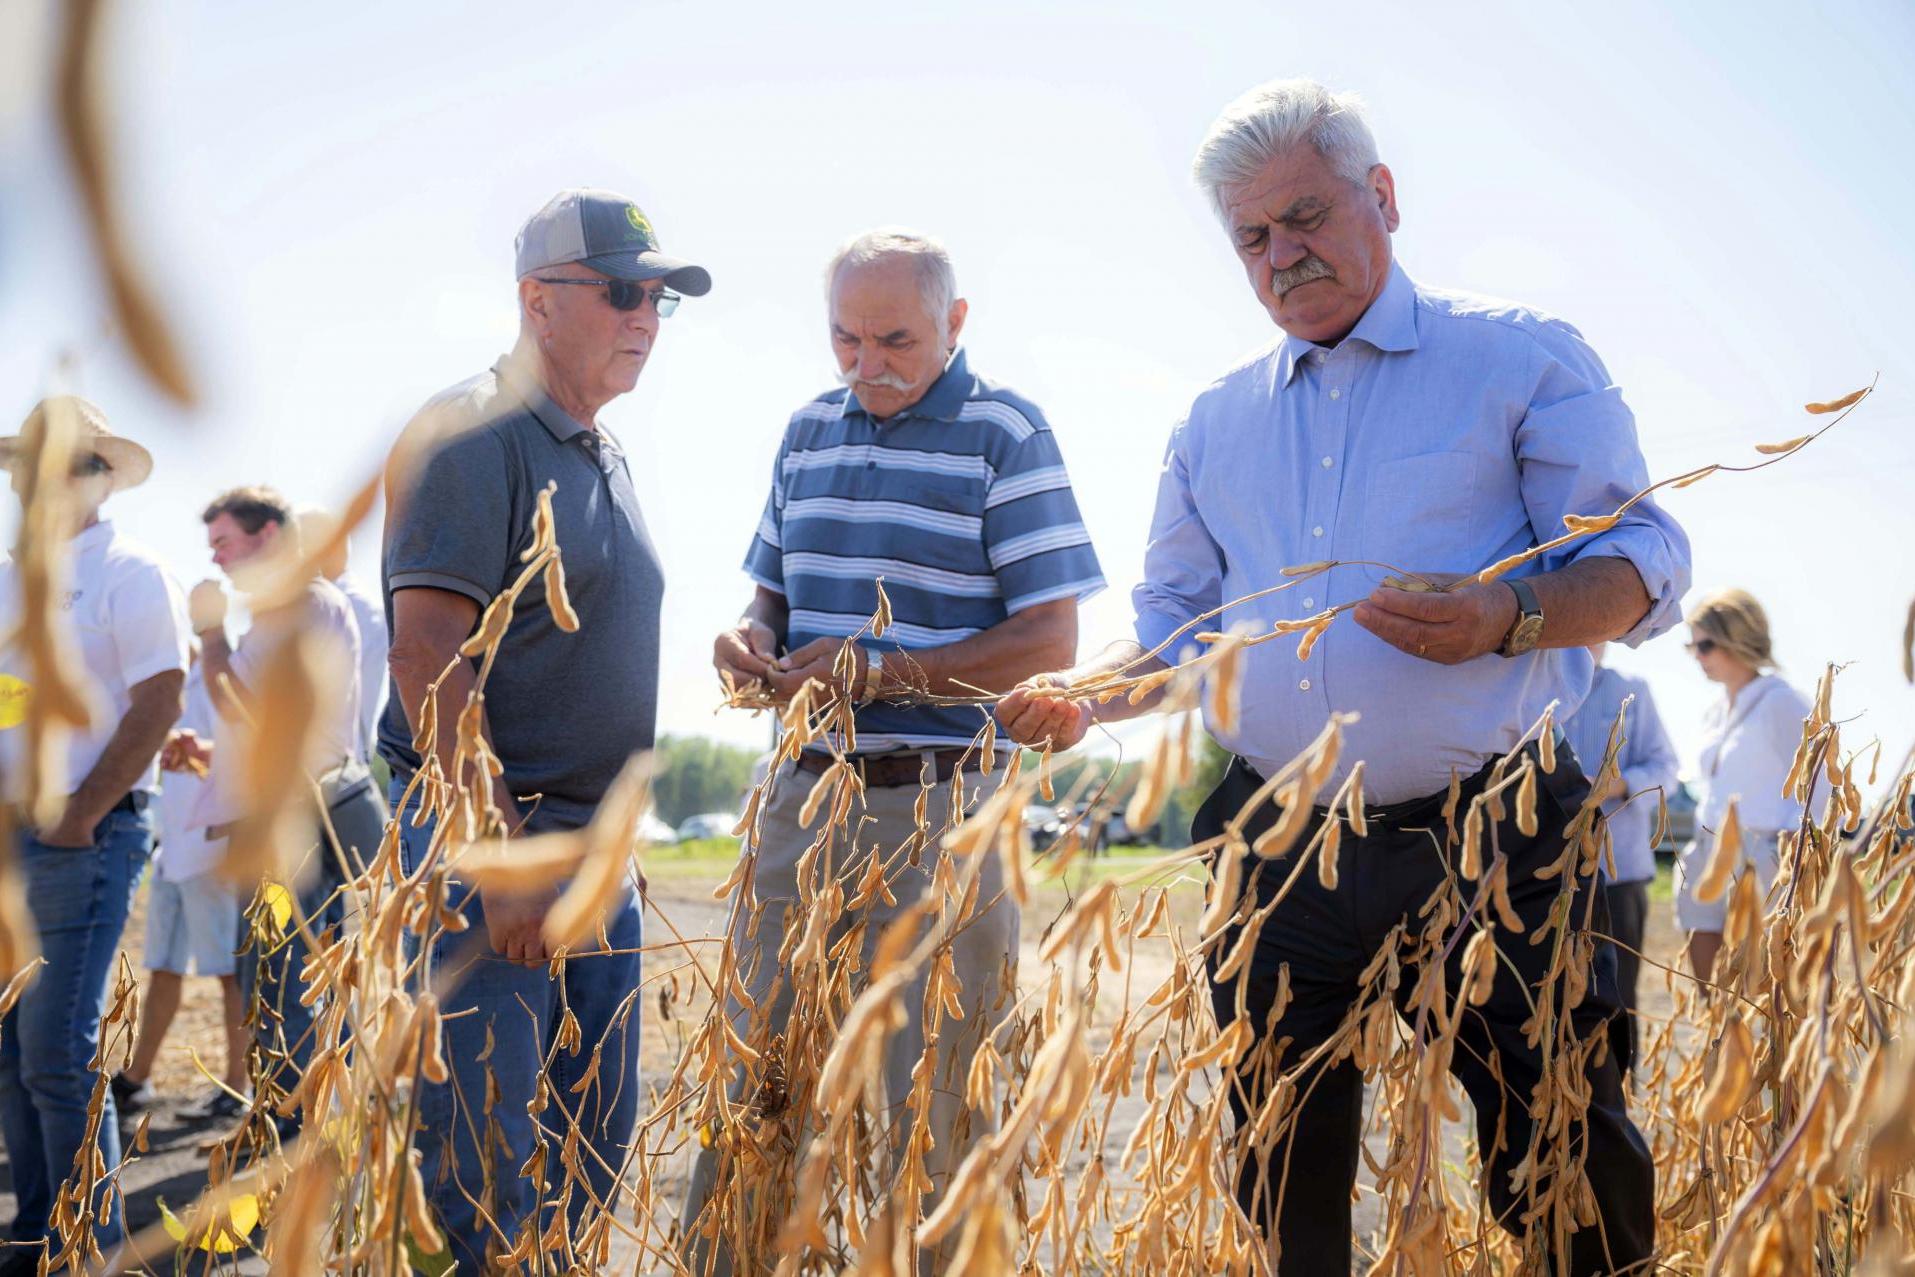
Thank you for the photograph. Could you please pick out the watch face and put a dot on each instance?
(1526, 634)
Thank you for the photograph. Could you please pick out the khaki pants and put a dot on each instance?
(983, 951)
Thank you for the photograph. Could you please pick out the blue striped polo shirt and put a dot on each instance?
(960, 502)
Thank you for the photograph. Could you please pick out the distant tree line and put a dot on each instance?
(696, 774)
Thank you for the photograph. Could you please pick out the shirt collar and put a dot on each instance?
(1389, 325)
(521, 382)
(942, 402)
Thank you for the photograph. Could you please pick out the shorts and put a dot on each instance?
(1760, 852)
(192, 927)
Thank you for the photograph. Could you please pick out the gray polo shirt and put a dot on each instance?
(566, 710)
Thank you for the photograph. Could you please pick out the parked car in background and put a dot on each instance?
(711, 824)
(1682, 819)
(655, 831)
(1097, 825)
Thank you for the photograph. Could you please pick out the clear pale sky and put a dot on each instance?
(327, 199)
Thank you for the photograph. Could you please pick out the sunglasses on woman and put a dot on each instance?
(1702, 646)
(625, 294)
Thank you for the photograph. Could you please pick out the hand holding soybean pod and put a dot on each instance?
(1047, 697)
(1713, 1183)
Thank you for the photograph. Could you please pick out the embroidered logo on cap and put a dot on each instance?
(641, 224)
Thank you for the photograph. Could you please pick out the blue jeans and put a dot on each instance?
(79, 898)
(503, 1017)
(284, 1027)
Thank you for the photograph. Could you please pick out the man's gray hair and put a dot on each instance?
(1271, 119)
(937, 280)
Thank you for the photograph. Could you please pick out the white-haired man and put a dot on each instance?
(594, 287)
(1437, 433)
(952, 489)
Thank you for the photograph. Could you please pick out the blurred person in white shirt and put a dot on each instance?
(122, 620)
(1749, 742)
(316, 525)
(249, 530)
(192, 919)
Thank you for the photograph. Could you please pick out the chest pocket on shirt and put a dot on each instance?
(88, 614)
(1418, 513)
(944, 493)
(950, 510)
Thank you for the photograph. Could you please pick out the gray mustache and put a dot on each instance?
(1308, 270)
(888, 381)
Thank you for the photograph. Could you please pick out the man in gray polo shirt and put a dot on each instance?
(563, 711)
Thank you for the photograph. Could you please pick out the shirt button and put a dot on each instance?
(1304, 686)
(1317, 531)
(1328, 462)
(1336, 394)
(1309, 603)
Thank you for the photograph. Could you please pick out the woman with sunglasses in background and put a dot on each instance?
(1749, 741)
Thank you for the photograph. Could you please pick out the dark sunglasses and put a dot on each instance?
(1702, 646)
(91, 463)
(625, 294)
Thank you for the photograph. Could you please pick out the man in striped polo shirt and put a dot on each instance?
(952, 490)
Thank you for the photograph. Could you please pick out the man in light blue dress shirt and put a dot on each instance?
(1391, 427)
(1646, 768)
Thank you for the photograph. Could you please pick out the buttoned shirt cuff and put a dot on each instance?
(1648, 552)
(1155, 627)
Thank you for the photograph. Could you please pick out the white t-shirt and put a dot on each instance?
(1746, 752)
(372, 660)
(185, 851)
(324, 612)
(128, 623)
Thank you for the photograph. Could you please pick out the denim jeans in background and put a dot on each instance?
(519, 1008)
(284, 1029)
(79, 898)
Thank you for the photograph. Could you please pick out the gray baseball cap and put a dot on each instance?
(607, 232)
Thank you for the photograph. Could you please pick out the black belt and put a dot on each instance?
(1418, 811)
(135, 802)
